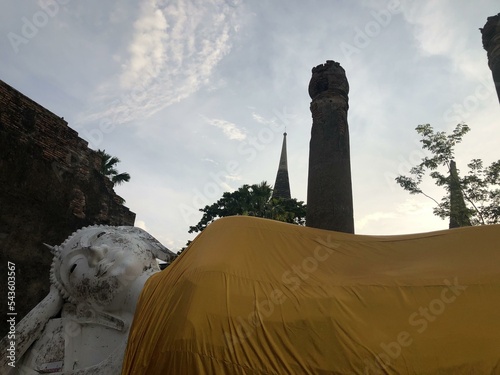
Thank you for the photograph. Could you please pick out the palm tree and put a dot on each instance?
(108, 168)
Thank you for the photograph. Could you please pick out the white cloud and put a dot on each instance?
(209, 161)
(452, 35)
(147, 50)
(233, 178)
(229, 129)
(436, 34)
(169, 243)
(376, 216)
(259, 118)
(414, 206)
(262, 120)
(173, 52)
(141, 224)
(389, 221)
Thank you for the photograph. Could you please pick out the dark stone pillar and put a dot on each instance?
(459, 214)
(491, 43)
(329, 190)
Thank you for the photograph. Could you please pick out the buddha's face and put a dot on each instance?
(99, 264)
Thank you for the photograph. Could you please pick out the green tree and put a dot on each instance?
(253, 200)
(108, 168)
(470, 200)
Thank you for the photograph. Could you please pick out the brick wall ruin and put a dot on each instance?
(49, 187)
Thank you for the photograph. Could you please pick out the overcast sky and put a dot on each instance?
(193, 95)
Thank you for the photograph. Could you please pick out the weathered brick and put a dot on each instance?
(49, 187)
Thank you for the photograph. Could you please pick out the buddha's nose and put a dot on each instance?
(97, 253)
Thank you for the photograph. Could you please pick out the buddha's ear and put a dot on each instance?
(157, 249)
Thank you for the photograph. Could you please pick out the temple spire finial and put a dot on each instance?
(282, 184)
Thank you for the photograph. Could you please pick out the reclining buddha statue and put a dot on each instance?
(82, 325)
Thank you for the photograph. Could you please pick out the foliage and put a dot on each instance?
(108, 168)
(479, 188)
(253, 200)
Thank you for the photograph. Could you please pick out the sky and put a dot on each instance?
(193, 96)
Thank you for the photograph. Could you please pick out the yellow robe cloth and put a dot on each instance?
(253, 296)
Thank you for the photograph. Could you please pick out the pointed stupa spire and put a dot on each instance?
(282, 185)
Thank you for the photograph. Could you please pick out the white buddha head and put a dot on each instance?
(97, 264)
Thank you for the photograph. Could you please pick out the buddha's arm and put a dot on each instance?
(29, 328)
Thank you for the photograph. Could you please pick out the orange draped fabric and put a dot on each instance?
(254, 296)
